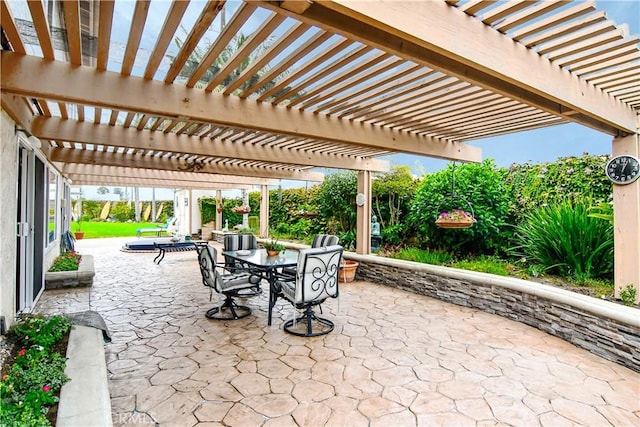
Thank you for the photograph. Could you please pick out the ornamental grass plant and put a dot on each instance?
(565, 239)
(34, 374)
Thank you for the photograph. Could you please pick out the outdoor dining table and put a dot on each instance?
(267, 266)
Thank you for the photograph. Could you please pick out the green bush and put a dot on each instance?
(207, 209)
(29, 386)
(91, 209)
(568, 178)
(66, 261)
(565, 239)
(485, 264)
(254, 222)
(122, 212)
(424, 256)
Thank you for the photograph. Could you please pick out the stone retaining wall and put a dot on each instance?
(609, 330)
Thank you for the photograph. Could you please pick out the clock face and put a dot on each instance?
(623, 169)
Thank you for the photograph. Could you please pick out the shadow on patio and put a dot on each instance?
(395, 358)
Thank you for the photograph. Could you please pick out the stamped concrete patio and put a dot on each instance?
(394, 359)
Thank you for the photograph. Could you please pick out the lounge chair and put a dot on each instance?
(171, 221)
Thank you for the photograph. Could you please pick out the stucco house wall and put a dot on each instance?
(8, 207)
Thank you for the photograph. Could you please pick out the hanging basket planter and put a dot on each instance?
(243, 209)
(306, 214)
(457, 218)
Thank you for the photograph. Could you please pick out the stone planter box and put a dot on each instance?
(69, 279)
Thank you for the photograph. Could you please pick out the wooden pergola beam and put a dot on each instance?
(172, 164)
(429, 33)
(119, 171)
(30, 76)
(79, 179)
(96, 134)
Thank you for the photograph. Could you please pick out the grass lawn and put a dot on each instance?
(93, 230)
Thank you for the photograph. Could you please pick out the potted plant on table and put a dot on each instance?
(273, 247)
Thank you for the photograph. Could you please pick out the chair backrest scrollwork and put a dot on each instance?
(317, 274)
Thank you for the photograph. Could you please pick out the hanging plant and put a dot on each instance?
(242, 209)
(456, 218)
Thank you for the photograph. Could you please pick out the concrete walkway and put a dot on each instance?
(394, 359)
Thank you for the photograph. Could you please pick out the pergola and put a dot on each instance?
(332, 84)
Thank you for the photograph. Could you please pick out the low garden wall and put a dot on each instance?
(607, 329)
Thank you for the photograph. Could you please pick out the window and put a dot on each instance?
(52, 207)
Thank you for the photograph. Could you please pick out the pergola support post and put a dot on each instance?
(264, 211)
(218, 211)
(626, 222)
(363, 211)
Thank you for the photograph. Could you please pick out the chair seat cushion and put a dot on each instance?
(231, 282)
(288, 289)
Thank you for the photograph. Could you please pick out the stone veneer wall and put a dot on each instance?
(612, 332)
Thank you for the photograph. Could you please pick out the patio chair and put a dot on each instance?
(226, 284)
(319, 240)
(236, 242)
(316, 280)
(171, 222)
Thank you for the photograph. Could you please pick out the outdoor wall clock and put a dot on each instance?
(623, 169)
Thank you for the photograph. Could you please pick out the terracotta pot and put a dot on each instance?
(79, 235)
(347, 271)
(272, 252)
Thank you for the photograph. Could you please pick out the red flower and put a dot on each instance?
(22, 352)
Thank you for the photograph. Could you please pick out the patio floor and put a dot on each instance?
(394, 359)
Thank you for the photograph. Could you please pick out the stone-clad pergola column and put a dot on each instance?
(626, 222)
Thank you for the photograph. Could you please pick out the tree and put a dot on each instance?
(391, 193)
(103, 190)
(391, 196)
(337, 200)
(119, 192)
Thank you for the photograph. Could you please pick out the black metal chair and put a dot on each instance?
(226, 284)
(236, 242)
(316, 279)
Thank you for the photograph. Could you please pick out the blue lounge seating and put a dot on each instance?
(157, 230)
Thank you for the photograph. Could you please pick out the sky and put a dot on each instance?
(536, 146)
